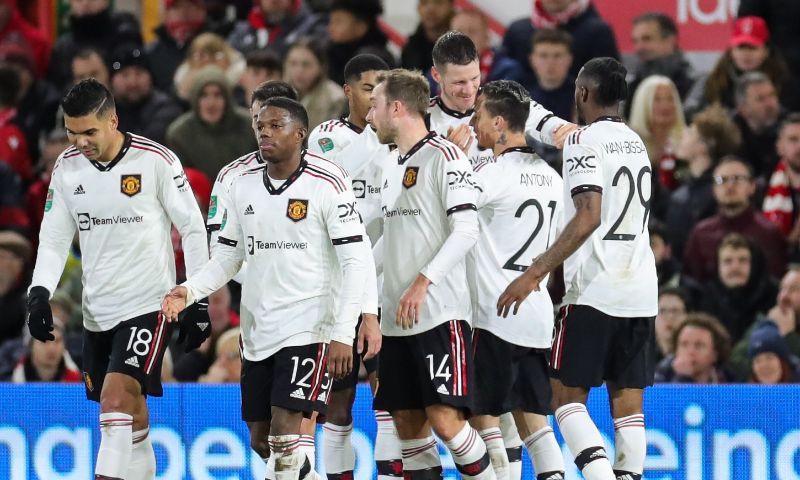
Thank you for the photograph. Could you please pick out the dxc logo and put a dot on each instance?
(456, 178)
(347, 209)
(580, 162)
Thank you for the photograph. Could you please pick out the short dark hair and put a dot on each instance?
(273, 88)
(736, 159)
(408, 87)
(719, 334)
(87, 52)
(87, 97)
(735, 241)
(745, 81)
(666, 25)
(791, 119)
(454, 48)
(609, 75)
(366, 10)
(363, 62)
(675, 292)
(9, 86)
(264, 59)
(507, 99)
(551, 35)
(297, 112)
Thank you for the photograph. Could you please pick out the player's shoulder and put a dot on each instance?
(151, 149)
(245, 162)
(486, 165)
(321, 169)
(243, 175)
(443, 149)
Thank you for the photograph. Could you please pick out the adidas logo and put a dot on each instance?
(202, 326)
(79, 190)
(298, 394)
(133, 362)
(249, 210)
(323, 397)
(443, 390)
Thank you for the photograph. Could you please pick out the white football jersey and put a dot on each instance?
(421, 190)
(218, 207)
(123, 212)
(329, 138)
(614, 271)
(294, 237)
(520, 208)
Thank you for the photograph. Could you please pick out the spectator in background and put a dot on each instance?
(208, 49)
(36, 196)
(305, 70)
(667, 266)
(551, 84)
(748, 51)
(702, 347)
(261, 66)
(91, 25)
(434, 21)
(771, 362)
(733, 190)
(782, 18)
(353, 29)
(591, 36)
(493, 62)
(13, 145)
(183, 21)
(89, 63)
(47, 361)
(655, 42)
(15, 253)
(227, 364)
(215, 130)
(12, 213)
(711, 136)
(275, 24)
(782, 201)
(758, 115)
(141, 108)
(656, 114)
(15, 30)
(743, 288)
(671, 313)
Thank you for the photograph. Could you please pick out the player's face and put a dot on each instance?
(278, 136)
(734, 266)
(696, 346)
(359, 92)
(379, 116)
(211, 104)
(92, 135)
(671, 312)
(459, 84)
(789, 145)
(733, 185)
(767, 368)
(484, 125)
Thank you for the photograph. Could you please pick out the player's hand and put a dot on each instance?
(783, 317)
(461, 136)
(518, 290)
(561, 132)
(174, 303)
(370, 334)
(683, 366)
(40, 316)
(408, 309)
(340, 359)
(195, 326)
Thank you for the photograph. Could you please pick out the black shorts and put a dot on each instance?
(591, 347)
(351, 379)
(430, 368)
(294, 378)
(134, 347)
(509, 377)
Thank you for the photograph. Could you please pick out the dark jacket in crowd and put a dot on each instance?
(374, 42)
(149, 118)
(12, 304)
(743, 352)
(664, 373)
(255, 33)
(676, 67)
(102, 31)
(417, 53)
(559, 101)
(691, 202)
(165, 56)
(758, 148)
(591, 37)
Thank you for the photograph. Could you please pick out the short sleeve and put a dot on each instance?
(582, 170)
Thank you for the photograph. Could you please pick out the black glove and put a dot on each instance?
(195, 326)
(40, 317)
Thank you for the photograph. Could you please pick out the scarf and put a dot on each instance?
(778, 206)
(542, 19)
(485, 64)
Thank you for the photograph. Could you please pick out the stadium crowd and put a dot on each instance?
(724, 147)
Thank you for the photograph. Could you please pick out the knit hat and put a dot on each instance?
(16, 244)
(128, 55)
(767, 338)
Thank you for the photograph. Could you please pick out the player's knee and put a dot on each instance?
(118, 401)
(446, 423)
(260, 446)
(340, 409)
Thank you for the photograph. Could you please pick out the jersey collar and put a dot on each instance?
(609, 118)
(350, 125)
(451, 112)
(526, 149)
(404, 158)
(104, 167)
(294, 176)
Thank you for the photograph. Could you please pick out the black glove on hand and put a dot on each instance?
(195, 326)
(40, 317)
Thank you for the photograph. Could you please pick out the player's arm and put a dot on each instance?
(584, 179)
(369, 334)
(547, 128)
(178, 200)
(55, 237)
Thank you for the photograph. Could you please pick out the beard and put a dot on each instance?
(386, 135)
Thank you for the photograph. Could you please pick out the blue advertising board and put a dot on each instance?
(694, 432)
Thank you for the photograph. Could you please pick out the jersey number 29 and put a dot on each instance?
(634, 186)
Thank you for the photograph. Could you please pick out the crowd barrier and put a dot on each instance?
(693, 432)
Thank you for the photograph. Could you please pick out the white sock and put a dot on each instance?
(337, 449)
(545, 454)
(143, 458)
(290, 462)
(419, 456)
(630, 445)
(513, 443)
(469, 454)
(116, 445)
(584, 441)
(493, 440)
(270, 461)
(388, 457)
(306, 446)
